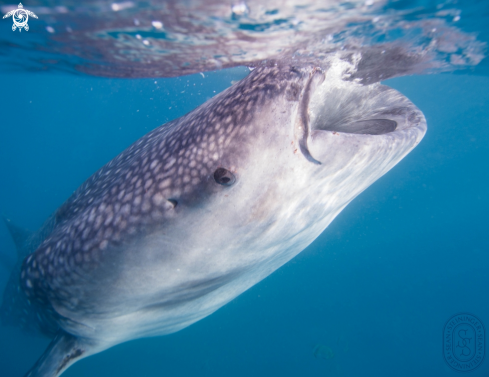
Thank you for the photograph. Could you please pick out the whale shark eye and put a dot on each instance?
(224, 177)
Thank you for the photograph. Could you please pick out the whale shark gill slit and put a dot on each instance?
(316, 78)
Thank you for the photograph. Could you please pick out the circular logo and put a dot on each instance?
(464, 342)
(20, 18)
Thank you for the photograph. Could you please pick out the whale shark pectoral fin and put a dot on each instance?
(63, 351)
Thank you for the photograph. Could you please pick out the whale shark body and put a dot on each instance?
(204, 207)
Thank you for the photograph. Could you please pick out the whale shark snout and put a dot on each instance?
(204, 207)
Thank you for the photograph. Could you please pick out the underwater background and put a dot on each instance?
(370, 297)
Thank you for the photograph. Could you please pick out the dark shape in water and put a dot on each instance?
(322, 352)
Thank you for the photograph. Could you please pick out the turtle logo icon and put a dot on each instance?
(20, 17)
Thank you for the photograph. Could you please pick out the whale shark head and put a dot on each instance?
(283, 152)
(201, 209)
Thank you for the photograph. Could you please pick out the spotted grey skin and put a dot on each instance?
(204, 207)
(164, 173)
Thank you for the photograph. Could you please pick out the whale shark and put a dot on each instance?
(204, 207)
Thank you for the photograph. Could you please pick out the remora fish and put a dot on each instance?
(204, 207)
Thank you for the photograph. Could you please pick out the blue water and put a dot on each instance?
(374, 290)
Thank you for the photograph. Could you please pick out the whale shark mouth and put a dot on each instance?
(331, 103)
(374, 114)
(349, 107)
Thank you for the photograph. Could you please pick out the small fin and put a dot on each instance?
(15, 308)
(19, 235)
(63, 351)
